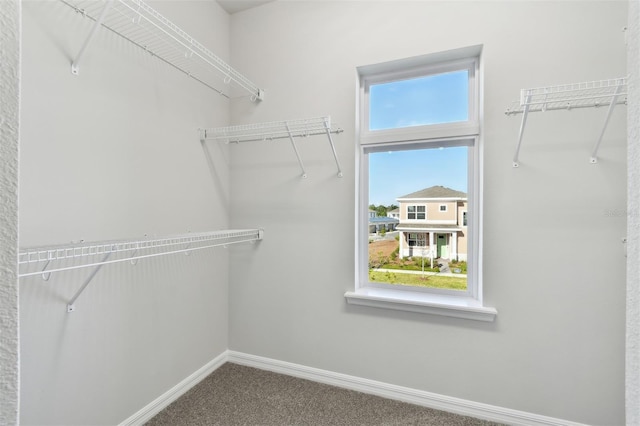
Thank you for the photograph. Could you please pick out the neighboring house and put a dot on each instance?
(377, 224)
(395, 213)
(433, 223)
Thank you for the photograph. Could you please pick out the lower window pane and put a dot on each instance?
(413, 240)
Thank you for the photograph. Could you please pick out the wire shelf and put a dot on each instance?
(36, 261)
(609, 93)
(271, 130)
(143, 26)
(268, 131)
(569, 96)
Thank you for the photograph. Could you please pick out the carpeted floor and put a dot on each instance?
(239, 395)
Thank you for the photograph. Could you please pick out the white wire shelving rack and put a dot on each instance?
(143, 26)
(268, 131)
(44, 261)
(592, 94)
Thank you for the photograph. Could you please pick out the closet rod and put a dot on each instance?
(137, 22)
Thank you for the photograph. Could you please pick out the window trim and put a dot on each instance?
(473, 291)
(440, 208)
(469, 305)
(369, 77)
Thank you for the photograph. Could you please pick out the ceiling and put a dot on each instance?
(233, 6)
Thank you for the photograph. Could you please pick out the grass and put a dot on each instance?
(431, 281)
(410, 266)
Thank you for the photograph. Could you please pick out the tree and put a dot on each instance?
(381, 211)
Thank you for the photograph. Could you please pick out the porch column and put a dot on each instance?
(401, 246)
(454, 246)
(431, 251)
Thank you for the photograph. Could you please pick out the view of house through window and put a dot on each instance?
(418, 229)
(419, 177)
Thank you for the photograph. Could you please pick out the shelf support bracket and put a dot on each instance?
(525, 113)
(70, 306)
(612, 105)
(333, 148)
(295, 149)
(75, 65)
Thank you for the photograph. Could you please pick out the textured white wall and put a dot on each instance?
(633, 215)
(554, 264)
(9, 132)
(115, 153)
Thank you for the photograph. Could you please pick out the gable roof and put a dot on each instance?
(437, 191)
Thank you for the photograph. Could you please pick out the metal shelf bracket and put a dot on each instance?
(71, 305)
(295, 149)
(75, 65)
(612, 105)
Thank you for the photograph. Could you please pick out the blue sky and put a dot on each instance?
(398, 173)
(441, 98)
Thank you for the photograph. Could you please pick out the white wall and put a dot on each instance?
(9, 136)
(633, 215)
(553, 259)
(114, 153)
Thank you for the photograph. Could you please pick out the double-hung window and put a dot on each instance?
(416, 212)
(419, 148)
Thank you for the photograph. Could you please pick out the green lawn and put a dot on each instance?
(432, 281)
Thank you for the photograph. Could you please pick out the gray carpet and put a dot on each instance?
(239, 395)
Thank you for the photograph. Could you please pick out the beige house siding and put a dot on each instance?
(434, 213)
(454, 215)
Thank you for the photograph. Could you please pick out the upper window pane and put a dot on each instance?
(434, 99)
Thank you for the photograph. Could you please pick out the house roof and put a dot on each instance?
(438, 191)
(383, 219)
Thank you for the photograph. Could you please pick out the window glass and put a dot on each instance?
(416, 251)
(434, 99)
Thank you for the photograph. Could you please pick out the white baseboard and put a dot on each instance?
(399, 393)
(413, 396)
(160, 403)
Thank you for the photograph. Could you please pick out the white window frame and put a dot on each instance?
(467, 304)
(440, 208)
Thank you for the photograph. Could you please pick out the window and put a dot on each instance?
(419, 149)
(464, 218)
(416, 212)
(417, 240)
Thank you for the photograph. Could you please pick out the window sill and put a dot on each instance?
(450, 306)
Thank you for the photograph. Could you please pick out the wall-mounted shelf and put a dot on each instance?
(45, 260)
(567, 97)
(289, 129)
(143, 26)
